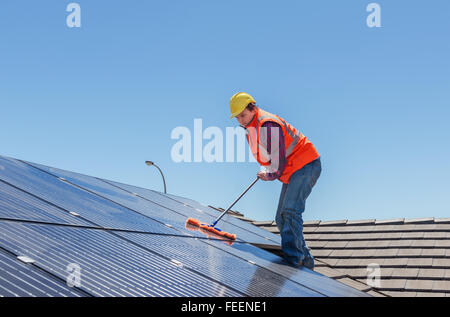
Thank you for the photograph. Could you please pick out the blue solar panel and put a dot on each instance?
(90, 207)
(190, 208)
(17, 204)
(304, 276)
(18, 279)
(238, 273)
(123, 246)
(155, 206)
(110, 265)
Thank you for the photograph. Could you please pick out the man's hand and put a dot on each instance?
(263, 175)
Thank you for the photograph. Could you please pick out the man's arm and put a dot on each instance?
(274, 141)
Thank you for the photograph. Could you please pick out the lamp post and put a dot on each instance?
(150, 163)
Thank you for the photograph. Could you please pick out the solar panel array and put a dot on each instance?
(68, 234)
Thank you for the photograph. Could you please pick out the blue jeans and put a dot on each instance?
(289, 214)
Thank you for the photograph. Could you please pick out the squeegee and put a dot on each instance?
(212, 227)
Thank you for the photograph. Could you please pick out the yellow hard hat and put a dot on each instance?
(238, 103)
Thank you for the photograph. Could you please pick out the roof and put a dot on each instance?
(69, 234)
(413, 255)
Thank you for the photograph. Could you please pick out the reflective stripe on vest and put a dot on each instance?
(295, 136)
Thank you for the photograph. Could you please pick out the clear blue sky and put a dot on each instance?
(103, 98)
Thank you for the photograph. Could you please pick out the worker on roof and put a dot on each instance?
(286, 155)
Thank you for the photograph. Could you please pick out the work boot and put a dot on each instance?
(308, 262)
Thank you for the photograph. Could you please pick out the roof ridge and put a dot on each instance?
(364, 222)
(347, 222)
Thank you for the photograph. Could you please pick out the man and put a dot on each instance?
(289, 157)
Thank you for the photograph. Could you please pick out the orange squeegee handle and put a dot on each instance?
(223, 213)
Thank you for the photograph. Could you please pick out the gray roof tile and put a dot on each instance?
(350, 262)
(420, 262)
(419, 285)
(431, 273)
(311, 223)
(442, 220)
(325, 229)
(386, 272)
(362, 236)
(406, 227)
(400, 293)
(361, 222)
(441, 286)
(357, 244)
(263, 223)
(386, 253)
(442, 243)
(309, 229)
(355, 284)
(433, 252)
(400, 243)
(412, 235)
(363, 273)
(379, 243)
(443, 227)
(423, 243)
(396, 262)
(355, 273)
(312, 236)
(376, 294)
(430, 294)
(436, 235)
(392, 235)
(336, 244)
(333, 223)
(393, 284)
(385, 228)
(366, 262)
(341, 253)
(321, 252)
(330, 272)
(334, 236)
(419, 220)
(316, 244)
(410, 252)
(390, 221)
(425, 227)
(444, 263)
(330, 262)
(405, 273)
(364, 253)
(367, 229)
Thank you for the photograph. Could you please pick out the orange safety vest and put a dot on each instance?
(299, 150)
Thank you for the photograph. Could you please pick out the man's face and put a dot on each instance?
(245, 117)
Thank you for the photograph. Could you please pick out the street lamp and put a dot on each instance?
(150, 163)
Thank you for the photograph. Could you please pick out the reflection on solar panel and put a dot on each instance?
(112, 239)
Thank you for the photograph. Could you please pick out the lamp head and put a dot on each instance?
(149, 163)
